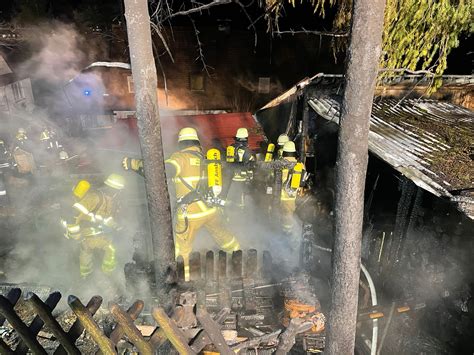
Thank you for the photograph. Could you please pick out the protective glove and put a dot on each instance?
(126, 163)
(133, 164)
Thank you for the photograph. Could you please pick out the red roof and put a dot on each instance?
(214, 130)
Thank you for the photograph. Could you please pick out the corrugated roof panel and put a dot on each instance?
(428, 141)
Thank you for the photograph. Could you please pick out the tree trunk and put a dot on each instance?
(145, 85)
(361, 72)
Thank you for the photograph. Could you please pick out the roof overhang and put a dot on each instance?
(410, 149)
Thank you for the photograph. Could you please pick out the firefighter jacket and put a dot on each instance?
(190, 183)
(289, 193)
(242, 160)
(94, 215)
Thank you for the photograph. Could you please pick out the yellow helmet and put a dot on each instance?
(242, 133)
(21, 130)
(115, 181)
(282, 139)
(289, 147)
(188, 134)
(81, 188)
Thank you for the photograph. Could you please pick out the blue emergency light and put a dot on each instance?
(87, 92)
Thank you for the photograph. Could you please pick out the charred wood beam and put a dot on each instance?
(6, 310)
(213, 331)
(13, 296)
(254, 342)
(37, 322)
(44, 311)
(133, 312)
(287, 339)
(203, 338)
(85, 317)
(130, 330)
(77, 328)
(173, 333)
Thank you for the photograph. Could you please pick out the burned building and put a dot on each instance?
(419, 199)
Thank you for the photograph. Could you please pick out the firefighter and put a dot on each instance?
(282, 139)
(292, 181)
(193, 211)
(94, 224)
(21, 138)
(51, 145)
(241, 159)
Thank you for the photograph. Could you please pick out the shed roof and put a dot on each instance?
(428, 141)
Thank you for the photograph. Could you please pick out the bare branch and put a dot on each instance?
(198, 9)
(200, 51)
(165, 44)
(251, 23)
(405, 70)
(319, 33)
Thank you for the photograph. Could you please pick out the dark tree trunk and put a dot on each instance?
(361, 72)
(145, 85)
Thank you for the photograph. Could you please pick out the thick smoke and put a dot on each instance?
(41, 254)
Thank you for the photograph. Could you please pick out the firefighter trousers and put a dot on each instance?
(86, 256)
(287, 207)
(186, 232)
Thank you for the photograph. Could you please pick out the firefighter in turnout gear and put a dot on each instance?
(292, 181)
(94, 222)
(282, 139)
(21, 137)
(52, 148)
(194, 209)
(241, 159)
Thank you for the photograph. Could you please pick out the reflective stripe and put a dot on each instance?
(115, 184)
(81, 208)
(175, 164)
(75, 228)
(287, 198)
(91, 232)
(109, 222)
(3, 192)
(227, 245)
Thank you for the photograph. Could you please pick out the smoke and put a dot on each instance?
(37, 201)
(57, 53)
(41, 254)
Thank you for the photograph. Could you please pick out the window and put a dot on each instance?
(131, 88)
(263, 85)
(18, 93)
(196, 82)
